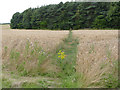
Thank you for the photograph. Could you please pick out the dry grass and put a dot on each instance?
(47, 39)
(17, 39)
(97, 49)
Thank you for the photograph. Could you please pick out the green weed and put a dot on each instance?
(66, 60)
(41, 58)
(22, 71)
(110, 80)
(14, 55)
(72, 81)
(43, 83)
(38, 84)
(22, 61)
(5, 49)
(27, 47)
(103, 65)
(91, 49)
(30, 85)
(6, 83)
(0, 82)
(108, 52)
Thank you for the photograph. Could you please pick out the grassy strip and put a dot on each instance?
(68, 74)
(65, 59)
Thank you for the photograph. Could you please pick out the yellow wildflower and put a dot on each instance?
(61, 54)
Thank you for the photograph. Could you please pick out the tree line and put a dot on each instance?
(69, 15)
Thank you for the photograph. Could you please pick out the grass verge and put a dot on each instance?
(65, 59)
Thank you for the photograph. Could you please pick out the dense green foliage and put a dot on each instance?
(69, 15)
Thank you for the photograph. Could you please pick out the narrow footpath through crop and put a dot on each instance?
(65, 57)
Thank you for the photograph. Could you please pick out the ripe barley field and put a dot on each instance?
(29, 58)
(97, 55)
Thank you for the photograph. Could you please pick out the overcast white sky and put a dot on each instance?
(9, 7)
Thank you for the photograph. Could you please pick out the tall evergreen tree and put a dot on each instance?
(69, 15)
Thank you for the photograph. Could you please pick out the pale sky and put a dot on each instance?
(9, 7)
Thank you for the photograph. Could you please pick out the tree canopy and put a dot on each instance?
(69, 15)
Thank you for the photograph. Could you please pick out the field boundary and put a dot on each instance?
(65, 57)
